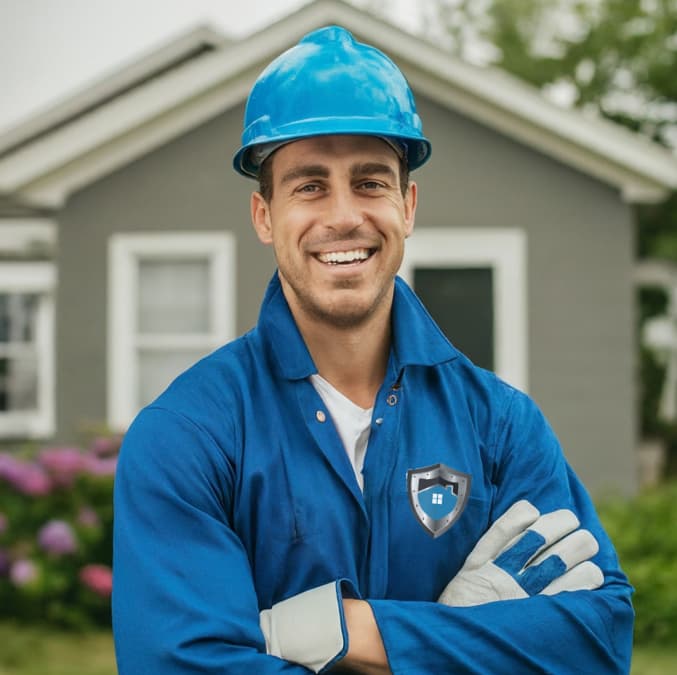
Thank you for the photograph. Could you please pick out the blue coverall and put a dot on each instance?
(233, 493)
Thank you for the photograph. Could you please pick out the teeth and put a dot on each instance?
(344, 256)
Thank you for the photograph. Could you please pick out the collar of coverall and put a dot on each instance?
(416, 341)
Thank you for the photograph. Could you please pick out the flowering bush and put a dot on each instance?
(56, 517)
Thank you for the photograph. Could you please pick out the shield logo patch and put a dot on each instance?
(437, 495)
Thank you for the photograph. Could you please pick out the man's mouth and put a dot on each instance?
(345, 257)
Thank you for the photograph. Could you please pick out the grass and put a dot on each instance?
(40, 651)
(654, 661)
(33, 650)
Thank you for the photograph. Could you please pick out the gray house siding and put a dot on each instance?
(580, 239)
(579, 267)
(186, 185)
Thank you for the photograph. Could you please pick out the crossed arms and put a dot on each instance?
(184, 599)
(522, 554)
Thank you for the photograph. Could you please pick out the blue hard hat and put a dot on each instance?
(329, 84)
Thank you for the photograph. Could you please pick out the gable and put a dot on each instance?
(52, 162)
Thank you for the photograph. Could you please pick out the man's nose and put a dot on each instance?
(344, 211)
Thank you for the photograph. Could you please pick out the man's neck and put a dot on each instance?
(353, 360)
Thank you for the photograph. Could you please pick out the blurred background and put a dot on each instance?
(545, 247)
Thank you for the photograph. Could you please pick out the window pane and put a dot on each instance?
(18, 383)
(158, 368)
(17, 317)
(461, 302)
(18, 360)
(174, 296)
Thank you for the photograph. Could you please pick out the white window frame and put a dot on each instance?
(125, 251)
(27, 236)
(504, 250)
(38, 278)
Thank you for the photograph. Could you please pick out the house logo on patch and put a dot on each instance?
(437, 495)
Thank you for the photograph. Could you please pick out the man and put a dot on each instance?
(340, 488)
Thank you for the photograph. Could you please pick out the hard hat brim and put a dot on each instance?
(417, 150)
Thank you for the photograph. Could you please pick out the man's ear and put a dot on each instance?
(260, 213)
(410, 201)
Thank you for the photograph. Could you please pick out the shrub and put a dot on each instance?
(56, 522)
(56, 516)
(643, 531)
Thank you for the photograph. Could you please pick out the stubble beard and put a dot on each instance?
(341, 314)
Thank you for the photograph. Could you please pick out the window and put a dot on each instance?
(172, 301)
(473, 282)
(26, 349)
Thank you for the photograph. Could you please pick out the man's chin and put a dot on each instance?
(347, 313)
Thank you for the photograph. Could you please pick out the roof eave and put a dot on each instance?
(122, 78)
(142, 120)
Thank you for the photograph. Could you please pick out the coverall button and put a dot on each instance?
(392, 399)
(320, 416)
(379, 420)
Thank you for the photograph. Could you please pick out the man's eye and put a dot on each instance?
(371, 185)
(309, 188)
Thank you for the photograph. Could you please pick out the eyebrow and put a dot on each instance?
(321, 171)
(371, 168)
(305, 171)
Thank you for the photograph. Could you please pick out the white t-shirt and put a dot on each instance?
(352, 423)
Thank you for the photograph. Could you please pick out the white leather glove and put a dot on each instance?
(524, 554)
(306, 628)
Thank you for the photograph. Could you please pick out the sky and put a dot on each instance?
(51, 48)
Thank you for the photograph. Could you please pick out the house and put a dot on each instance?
(126, 250)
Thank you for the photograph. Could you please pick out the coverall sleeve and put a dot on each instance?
(572, 632)
(183, 595)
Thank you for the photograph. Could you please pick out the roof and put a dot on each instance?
(200, 74)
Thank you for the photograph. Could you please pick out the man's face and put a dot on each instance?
(337, 221)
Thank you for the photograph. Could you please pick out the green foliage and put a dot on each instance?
(642, 530)
(56, 518)
(619, 56)
(659, 228)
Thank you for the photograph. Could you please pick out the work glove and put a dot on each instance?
(523, 554)
(307, 628)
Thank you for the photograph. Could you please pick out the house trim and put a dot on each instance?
(505, 252)
(39, 278)
(124, 253)
(22, 236)
(174, 51)
(143, 118)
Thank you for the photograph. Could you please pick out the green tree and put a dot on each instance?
(618, 56)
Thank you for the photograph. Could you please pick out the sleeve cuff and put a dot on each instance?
(309, 628)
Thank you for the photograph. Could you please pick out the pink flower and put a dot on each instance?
(98, 578)
(27, 478)
(7, 461)
(100, 466)
(105, 446)
(57, 537)
(34, 481)
(88, 517)
(23, 476)
(64, 464)
(23, 572)
(10, 467)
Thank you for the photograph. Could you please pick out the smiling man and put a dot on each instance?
(337, 218)
(341, 489)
